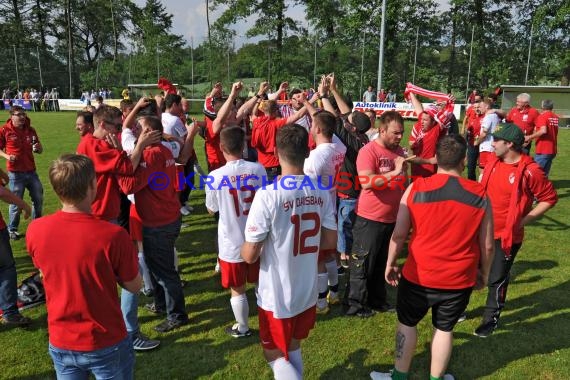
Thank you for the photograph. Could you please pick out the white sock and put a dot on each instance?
(322, 284)
(284, 370)
(240, 307)
(296, 359)
(175, 259)
(145, 272)
(332, 271)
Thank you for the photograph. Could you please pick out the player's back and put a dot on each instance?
(288, 217)
(230, 192)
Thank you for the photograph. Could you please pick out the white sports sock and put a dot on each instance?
(322, 283)
(240, 307)
(296, 359)
(145, 272)
(332, 271)
(284, 370)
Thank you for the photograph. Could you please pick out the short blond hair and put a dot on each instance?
(70, 176)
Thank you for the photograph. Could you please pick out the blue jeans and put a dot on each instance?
(19, 181)
(129, 304)
(114, 362)
(8, 280)
(345, 219)
(545, 161)
(158, 245)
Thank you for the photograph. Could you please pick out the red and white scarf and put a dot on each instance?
(441, 116)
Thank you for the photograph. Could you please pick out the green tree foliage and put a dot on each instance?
(103, 42)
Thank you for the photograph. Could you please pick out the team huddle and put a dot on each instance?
(291, 239)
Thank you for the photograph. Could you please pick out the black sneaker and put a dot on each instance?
(462, 318)
(234, 331)
(361, 313)
(384, 308)
(485, 329)
(142, 343)
(169, 325)
(147, 292)
(14, 235)
(16, 320)
(153, 309)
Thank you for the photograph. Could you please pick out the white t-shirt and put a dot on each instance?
(488, 124)
(325, 161)
(289, 223)
(233, 201)
(173, 126)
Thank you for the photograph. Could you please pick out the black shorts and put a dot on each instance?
(446, 305)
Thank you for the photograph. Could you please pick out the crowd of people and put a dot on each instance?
(300, 188)
(40, 100)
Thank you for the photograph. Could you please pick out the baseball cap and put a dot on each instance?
(509, 132)
(360, 121)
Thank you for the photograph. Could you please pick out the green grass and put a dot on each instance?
(533, 340)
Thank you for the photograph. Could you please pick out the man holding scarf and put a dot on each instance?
(512, 181)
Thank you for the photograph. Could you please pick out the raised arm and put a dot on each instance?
(340, 102)
(247, 107)
(282, 88)
(418, 107)
(224, 111)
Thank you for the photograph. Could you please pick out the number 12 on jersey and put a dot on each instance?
(306, 226)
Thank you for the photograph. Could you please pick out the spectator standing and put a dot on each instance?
(86, 330)
(546, 135)
(523, 115)
(513, 181)
(441, 269)
(18, 143)
(369, 95)
(381, 170)
(8, 276)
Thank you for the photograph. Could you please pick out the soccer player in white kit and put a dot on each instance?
(230, 193)
(323, 164)
(289, 222)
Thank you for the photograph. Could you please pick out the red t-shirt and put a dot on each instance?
(109, 163)
(214, 153)
(263, 139)
(546, 144)
(154, 186)
(380, 205)
(444, 253)
(500, 187)
(423, 146)
(82, 259)
(473, 124)
(18, 141)
(524, 118)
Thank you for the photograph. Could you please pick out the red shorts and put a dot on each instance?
(277, 333)
(236, 274)
(135, 224)
(484, 157)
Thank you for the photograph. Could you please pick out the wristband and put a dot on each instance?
(258, 96)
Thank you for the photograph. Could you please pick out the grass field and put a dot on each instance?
(533, 341)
